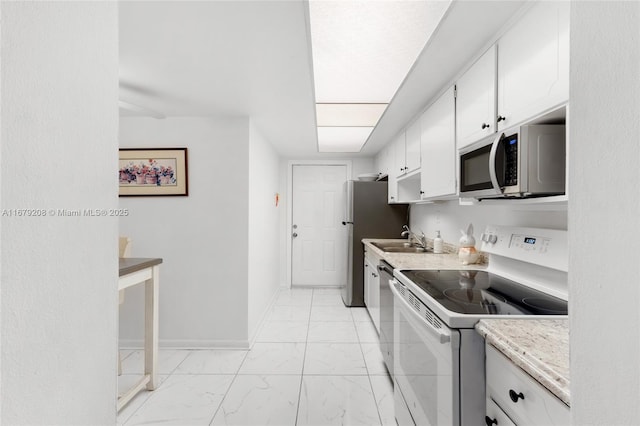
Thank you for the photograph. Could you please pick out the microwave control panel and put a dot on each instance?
(545, 247)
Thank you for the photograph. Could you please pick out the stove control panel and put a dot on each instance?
(544, 247)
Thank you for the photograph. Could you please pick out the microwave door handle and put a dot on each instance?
(492, 163)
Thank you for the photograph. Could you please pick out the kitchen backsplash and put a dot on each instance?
(450, 217)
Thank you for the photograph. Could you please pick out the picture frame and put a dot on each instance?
(153, 172)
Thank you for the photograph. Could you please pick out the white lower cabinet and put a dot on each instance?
(495, 415)
(515, 396)
(372, 287)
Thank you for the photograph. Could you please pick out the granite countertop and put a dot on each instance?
(448, 260)
(539, 347)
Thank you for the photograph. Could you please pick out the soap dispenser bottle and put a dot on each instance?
(437, 243)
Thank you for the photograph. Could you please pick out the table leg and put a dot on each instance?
(151, 328)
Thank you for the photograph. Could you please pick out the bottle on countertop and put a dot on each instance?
(437, 243)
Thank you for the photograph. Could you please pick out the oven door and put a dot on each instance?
(426, 362)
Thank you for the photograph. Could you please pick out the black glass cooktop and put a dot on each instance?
(480, 292)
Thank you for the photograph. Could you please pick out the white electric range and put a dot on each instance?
(438, 356)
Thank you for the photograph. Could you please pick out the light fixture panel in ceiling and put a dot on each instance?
(349, 115)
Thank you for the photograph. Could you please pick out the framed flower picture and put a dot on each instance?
(155, 171)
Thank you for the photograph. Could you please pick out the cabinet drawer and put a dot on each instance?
(495, 415)
(534, 405)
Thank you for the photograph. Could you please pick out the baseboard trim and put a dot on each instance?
(188, 344)
(208, 344)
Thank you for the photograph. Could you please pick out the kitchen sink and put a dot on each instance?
(399, 247)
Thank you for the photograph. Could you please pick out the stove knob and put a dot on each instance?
(493, 239)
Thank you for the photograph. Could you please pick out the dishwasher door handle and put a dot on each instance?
(385, 268)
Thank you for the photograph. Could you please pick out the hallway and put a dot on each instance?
(314, 362)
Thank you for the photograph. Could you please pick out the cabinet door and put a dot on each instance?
(374, 297)
(495, 414)
(367, 282)
(438, 174)
(399, 153)
(382, 161)
(533, 63)
(476, 100)
(412, 147)
(392, 189)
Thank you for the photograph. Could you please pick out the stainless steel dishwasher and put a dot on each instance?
(386, 315)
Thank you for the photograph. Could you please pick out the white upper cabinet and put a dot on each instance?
(438, 175)
(392, 189)
(399, 151)
(407, 150)
(385, 160)
(412, 145)
(533, 64)
(476, 100)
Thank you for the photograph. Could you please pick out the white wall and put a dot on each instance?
(59, 74)
(264, 231)
(604, 212)
(362, 165)
(203, 238)
(449, 217)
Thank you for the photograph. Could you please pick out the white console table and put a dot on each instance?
(134, 271)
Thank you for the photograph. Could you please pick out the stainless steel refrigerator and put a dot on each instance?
(367, 215)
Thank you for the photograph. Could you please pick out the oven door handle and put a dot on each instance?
(492, 163)
(442, 337)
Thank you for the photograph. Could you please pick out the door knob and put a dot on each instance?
(295, 234)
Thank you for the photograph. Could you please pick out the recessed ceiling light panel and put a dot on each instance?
(363, 50)
(350, 115)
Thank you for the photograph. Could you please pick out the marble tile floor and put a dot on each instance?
(314, 362)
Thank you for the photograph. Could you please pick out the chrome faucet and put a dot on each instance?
(420, 240)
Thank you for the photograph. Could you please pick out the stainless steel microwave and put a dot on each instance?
(524, 161)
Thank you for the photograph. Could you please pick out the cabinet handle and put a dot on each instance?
(421, 192)
(489, 421)
(374, 275)
(501, 118)
(485, 125)
(515, 396)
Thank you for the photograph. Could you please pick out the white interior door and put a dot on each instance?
(319, 242)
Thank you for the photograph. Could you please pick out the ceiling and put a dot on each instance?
(222, 58)
(253, 58)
